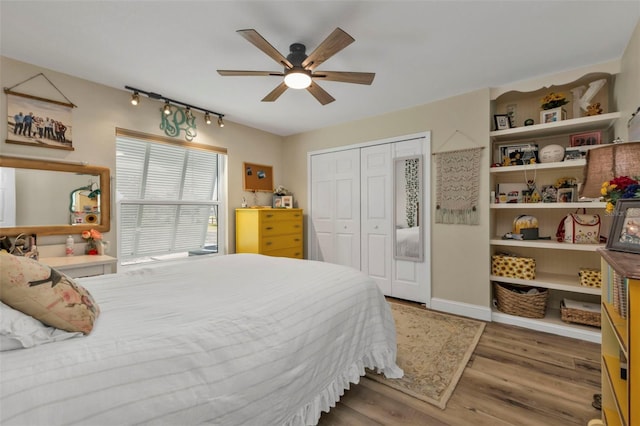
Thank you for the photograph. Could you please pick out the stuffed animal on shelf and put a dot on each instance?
(594, 109)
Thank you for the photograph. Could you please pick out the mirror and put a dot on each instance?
(408, 240)
(37, 197)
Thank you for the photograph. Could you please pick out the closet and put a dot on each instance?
(352, 194)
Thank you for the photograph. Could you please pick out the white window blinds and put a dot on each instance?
(168, 197)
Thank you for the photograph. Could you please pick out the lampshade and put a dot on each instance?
(297, 78)
(607, 162)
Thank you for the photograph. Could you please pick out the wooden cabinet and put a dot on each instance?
(273, 232)
(82, 266)
(620, 338)
(557, 264)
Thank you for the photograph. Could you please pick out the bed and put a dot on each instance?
(240, 339)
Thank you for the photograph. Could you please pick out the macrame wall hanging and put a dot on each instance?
(457, 185)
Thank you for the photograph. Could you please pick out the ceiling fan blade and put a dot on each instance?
(237, 73)
(258, 41)
(336, 41)
(346, 77)
(320, 94)
(275, 93)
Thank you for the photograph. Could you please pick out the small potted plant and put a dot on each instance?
(94, 240)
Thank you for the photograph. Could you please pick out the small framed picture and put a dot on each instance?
(549, 194)
(502, 121)
(573, 154)
(566, 195)
(585, 139)
(552, 115)
(277, 202)
(625, 230)
(287, 201)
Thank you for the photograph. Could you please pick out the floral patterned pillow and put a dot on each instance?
(46, 294)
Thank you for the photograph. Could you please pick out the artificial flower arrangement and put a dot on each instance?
(566, 182)
(281, 190)
(618, 188)
(553, 100)
(93, 238)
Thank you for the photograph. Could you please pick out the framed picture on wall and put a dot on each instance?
(38, 122)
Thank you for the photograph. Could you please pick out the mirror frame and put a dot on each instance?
(397, 164)
(105, 196)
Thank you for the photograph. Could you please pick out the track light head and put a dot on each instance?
(207, 118)
(135, 98)
(167, 108)
(188, 113)
(220, 122)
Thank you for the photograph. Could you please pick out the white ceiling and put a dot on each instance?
(421, 51)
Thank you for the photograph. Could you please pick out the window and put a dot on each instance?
(169, 198)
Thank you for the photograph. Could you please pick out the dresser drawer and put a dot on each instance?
(282, 241)
(274, 215)
(279, 228)
(294, 252)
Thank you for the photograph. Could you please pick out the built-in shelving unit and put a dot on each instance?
(557, 263)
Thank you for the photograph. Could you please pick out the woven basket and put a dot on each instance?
(522, 305)
(578, 316)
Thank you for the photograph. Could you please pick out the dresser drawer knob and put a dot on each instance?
(269, 228)
(268, 243)
(296, 240)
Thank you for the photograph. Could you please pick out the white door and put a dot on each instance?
(335, 208)
(376, 214)
(411, 280)
(7, 197)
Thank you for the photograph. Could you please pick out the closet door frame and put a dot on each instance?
(423, 268)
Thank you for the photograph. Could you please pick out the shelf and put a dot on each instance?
(545, 244)
(551, 323)
(578, 164)
(618, 324)
(611, 366)
(582, 124)
(578, 205)
(551, 281)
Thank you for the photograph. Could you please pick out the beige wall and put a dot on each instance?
(460, 254)
(101, 109)
(627, 89)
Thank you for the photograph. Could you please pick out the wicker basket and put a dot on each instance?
(522, 305)
(578, 316)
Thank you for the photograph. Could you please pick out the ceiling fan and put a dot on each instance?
(299, 69)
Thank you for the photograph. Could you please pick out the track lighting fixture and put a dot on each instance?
(135, 100)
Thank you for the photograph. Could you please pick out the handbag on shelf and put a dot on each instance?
(578, 228)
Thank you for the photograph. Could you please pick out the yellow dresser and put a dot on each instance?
(273, 232)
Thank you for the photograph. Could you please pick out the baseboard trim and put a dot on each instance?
(464, 309)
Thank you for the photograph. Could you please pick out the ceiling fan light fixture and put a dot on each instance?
(297, 78)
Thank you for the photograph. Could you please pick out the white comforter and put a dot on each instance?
(229, 340)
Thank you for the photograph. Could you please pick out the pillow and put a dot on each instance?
(18, 330)
(46, 294)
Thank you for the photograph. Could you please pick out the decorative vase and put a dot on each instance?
(91, 248)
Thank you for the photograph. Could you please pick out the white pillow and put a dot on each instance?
(18, 330)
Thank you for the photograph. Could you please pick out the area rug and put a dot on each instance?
(433, 350)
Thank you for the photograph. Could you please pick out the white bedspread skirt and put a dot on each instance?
(228, 340)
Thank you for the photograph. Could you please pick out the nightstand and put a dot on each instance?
(82, 266)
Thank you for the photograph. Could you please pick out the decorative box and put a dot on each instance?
(590, 277)
(513, 266)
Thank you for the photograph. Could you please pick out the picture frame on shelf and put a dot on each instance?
(625, 229)
(566, 195)
(586, 139)
(552, 115)
(287, 201)
(517, 155)
(574, 154)
(549, 194)
(502, 121)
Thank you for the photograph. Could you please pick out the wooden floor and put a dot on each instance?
(516, 376)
